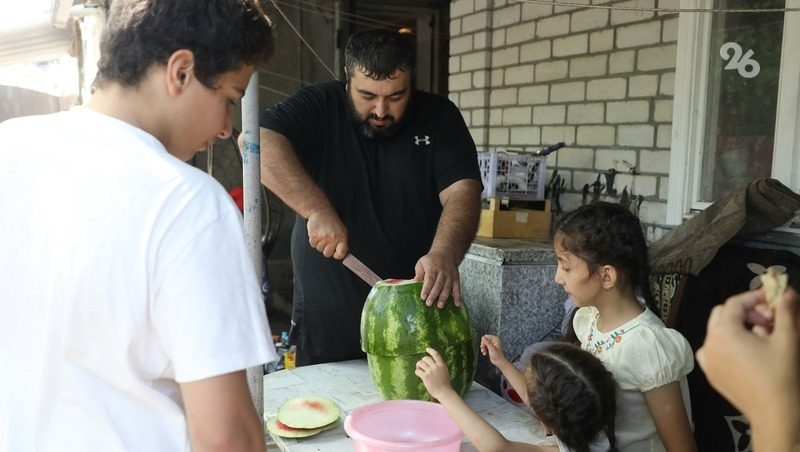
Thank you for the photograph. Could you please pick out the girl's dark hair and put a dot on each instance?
(378, 53)
(603, 233)
(574, 394)
(224, 35)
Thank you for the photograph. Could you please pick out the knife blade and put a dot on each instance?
(360, 269)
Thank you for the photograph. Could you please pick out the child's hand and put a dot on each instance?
(433, 371)
(492, 346)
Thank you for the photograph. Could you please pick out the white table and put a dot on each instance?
(349, 384)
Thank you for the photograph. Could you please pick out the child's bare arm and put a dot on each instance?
(669, 415)
(492, 346)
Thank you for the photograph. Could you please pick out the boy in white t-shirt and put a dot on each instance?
(130, 307)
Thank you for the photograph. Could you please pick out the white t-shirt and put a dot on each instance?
(642, 354)
(122, 271)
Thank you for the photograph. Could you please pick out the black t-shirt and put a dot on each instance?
(386, 191)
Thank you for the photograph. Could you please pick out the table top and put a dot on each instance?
(349, 384)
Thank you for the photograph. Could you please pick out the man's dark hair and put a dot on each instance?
(224, 35)
(379, 53)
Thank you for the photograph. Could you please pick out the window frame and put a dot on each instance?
(689, 109)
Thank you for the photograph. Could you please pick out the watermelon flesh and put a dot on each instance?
(397, 327)
(279, 428)
(308, 412)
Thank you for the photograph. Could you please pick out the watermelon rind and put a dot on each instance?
(311, 411)
(395, 379)
(276, 427)
(393, 325)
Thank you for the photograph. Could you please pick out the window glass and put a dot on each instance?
(742, 98)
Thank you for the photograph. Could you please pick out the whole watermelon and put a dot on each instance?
(397, 327)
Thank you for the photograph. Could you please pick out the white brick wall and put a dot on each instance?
(527, 75)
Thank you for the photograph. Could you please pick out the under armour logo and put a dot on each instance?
(426, 139)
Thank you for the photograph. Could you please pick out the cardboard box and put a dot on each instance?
(515, 222)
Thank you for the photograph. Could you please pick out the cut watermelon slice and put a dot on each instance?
(308, 412)
(276, 427)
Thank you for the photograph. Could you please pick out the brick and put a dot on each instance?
(519, 75)
(460, 81)
(639, 35)
(575, 157)
(478, 117)
(523, 136)
(453, 97)
(621, 62)
(475, 22)
(654, 161)
(551, 70)
(499, 37)
(641, 135)
(532, 11)
(497, 77)
(480, 40)
(654, 58)
(667, 86)
(571, 45)
(581, 178)
(645, 185)
(516, 116)
(536, 51)
(664, 136)
(590, 66)
(567, 92)
(549, 114)
(633, 111)
(478, 136)
(504, 96)
(460, 8)
(621, 16)
(663, 110)
(455, 27)
(608, 88)
(643, 85)
(653, 212)
(669, 30)
(561, 9)
(461, 44)
(668, 4)
(521, 33)
(606, 159)
(454, 64)
(506, 16)
(472, 99)
(496, 117)
(595, 136)
(505, 57)
(479, 79)
(555, 134)
(601, 41)
(553, 26)
(585, 113)
(467, 115)
(663, 187)
(474, 60)
(588, 19)
(534, 95)
(480, 5)
(498, 136)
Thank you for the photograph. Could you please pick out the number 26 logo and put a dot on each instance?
(745, 65)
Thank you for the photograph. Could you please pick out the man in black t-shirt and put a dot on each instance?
(376, 168)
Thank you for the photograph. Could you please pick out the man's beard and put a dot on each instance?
(367, 129)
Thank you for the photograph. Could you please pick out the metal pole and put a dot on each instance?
(251, 176)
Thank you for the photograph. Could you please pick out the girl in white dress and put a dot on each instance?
(570, 391)
(603, 266)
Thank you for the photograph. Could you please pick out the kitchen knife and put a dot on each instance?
(363, 272)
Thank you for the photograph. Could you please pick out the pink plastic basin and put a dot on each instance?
(402, 425)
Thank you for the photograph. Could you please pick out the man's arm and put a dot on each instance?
(461, 207)
(284, 175)
(221, 416)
